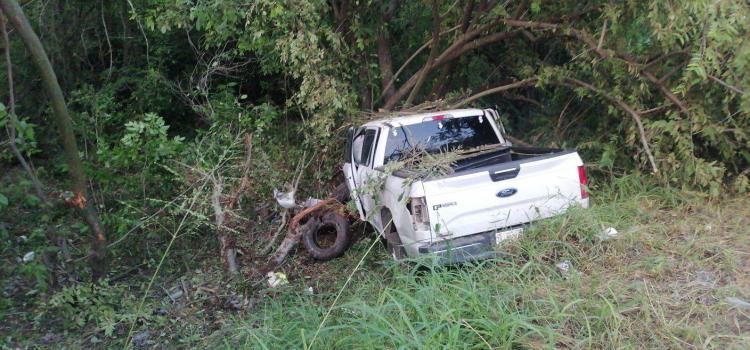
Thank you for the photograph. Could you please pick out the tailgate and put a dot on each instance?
(505, 195)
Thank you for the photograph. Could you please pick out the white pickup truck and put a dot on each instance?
(489, 195)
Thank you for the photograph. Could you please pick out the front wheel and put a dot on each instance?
(330, 240)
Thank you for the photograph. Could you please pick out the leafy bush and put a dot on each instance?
(100, 304)
(25, 135)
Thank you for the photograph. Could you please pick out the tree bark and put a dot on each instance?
(422, 75)
(385, 63)
(518, 84)
(97, 255)
(439, 86)
(11, 128)
(385, 59)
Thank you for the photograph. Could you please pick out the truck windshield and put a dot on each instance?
(435, 136)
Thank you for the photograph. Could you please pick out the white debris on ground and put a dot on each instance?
(276, 279)
(285, 199)
(566, 269)
(607, 234)
(28, 257)
(738, 303)
(309, 202)
(563, 267)
(310, 290)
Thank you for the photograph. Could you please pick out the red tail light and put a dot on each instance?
(583, 181)
(438, 117)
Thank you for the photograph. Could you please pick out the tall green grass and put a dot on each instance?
(518, 301)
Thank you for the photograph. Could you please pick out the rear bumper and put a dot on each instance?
(467, 248)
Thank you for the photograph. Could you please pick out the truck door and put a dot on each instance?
(363, 147)
(349, 166)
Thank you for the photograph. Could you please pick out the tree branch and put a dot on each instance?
(633, 113)
(575, 82)
(518, 84)
(410, 59)
(726, 85)
(446, 71)
(588, 40)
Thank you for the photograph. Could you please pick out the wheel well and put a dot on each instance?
(385, 217)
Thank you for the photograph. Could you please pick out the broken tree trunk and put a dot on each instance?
(224, 218)
(80, 199)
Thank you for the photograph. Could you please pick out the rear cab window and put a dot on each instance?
(437, 136)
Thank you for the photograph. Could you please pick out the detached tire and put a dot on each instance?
(330, 240)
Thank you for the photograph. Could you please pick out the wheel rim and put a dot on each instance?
(325, 236)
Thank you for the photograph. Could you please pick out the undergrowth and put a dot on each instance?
(662, 282)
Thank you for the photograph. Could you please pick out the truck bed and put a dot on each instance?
(501, 190)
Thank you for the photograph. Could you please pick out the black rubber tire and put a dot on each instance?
(392, 240)
(340, 224)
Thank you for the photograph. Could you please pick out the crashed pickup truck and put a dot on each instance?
(492, 191)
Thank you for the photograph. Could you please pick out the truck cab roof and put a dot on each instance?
(408, 118)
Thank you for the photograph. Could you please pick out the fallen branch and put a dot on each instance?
(575, 82)
(224, 224)
(269, 246)
(227, 244)
(518, 84)
(296, 231)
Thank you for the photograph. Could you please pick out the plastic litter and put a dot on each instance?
(28, 257)
(276, 279)
(607, 234)
(563, 267)
(309, 202)
(285, 199)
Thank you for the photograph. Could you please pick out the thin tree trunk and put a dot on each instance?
(385, 59)
(433, 52)
(11, 128)
(385, 62)
(80, 196)
(442, 80)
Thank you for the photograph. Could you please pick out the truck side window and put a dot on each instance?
(357, 148)
(367, 144)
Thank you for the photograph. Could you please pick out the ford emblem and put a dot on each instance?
(507, 192)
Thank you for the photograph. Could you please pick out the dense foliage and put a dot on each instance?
(162, 92)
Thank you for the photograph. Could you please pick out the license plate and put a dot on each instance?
(509, 234)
